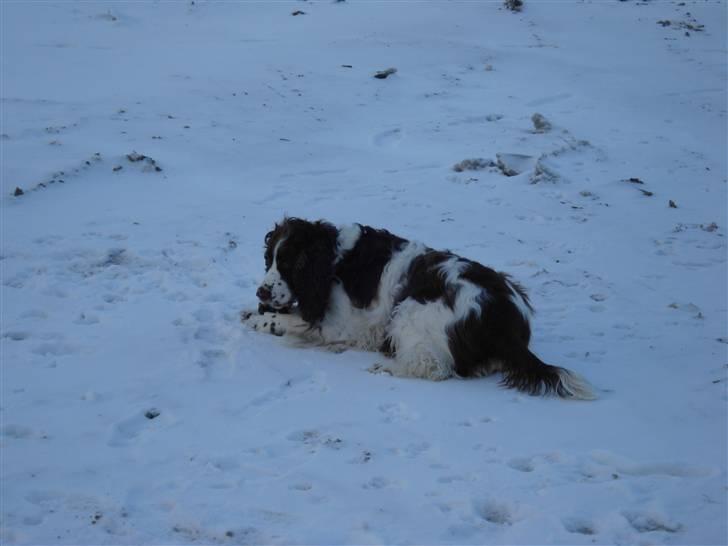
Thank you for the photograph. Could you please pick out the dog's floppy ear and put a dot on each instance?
(313, 273)
(269, 242)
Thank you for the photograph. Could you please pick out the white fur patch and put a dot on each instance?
(276, 323)
(347, 238)
(366, 328)
(281, 294)
(578, 387)
(519, 302)
(419, 333)
(469, 296)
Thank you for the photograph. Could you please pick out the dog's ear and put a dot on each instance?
(313, 275)
(269, 235)
(270, 238)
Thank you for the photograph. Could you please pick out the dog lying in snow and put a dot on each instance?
(436, 314)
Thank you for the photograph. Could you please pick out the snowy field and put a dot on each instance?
(137, 409)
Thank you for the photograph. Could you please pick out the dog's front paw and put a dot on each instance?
(246, 314)
(267, 322)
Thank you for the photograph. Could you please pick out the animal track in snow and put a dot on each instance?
(87, 319)
(290, 388)
(522, 464)
(364, 457)
(648, 522)
(621, 465)
(579, 526)
(495, 512)
(313, 440)
(489, 118)
(413, 450)
(54, 349)
(36, 314)
(16, 432)
(379, 482)
(16, 335)
(209, 359)
(388, 139)
(130, 429)
(398, 412)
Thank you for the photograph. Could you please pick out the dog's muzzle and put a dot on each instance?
(264, 294)
(276, 296)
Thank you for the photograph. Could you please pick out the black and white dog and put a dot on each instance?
(436, 315)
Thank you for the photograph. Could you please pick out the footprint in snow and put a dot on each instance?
(648, 522)
(129, 430)
(623, 466)
(54, 349)
(33, 520)
(112, 299)
(580, 526)
(35, 314)
(496, 512)
(16, 432)
(462, 532)
(398, 412)
(87, 319)
(16, 336)
(313, 440)
(522, 464)
(467, 423)
(209, 360)
(363, 458)
(388, 139)
(412, 451)
(292, 387)
(379, 482)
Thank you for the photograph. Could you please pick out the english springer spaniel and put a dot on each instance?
(435, 314)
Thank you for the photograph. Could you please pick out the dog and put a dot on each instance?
(435, 314)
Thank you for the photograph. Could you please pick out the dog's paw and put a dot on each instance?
(379, 368)
(246, 314)
(267, 322)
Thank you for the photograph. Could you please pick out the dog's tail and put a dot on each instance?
(526, 372)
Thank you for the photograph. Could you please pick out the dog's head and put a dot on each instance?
(299, 263)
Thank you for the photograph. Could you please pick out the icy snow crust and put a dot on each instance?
(137, 409)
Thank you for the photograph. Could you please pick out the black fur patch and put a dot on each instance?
(497, 338)
(425, 280)
(497, 335)
(360, 270)
(498, 286)
(387, 348)
(528, 373)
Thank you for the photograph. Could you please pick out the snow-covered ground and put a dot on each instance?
(136, 407)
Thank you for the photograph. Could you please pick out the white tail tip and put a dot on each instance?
(576, 386)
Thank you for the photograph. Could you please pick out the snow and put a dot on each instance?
(121, 288)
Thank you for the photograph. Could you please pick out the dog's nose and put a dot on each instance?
(264, 293)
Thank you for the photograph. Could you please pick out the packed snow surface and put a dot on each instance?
(153, 144)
